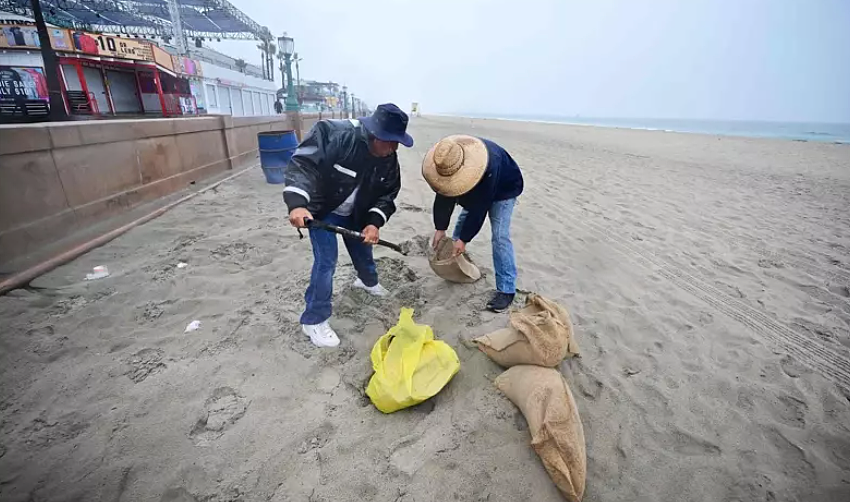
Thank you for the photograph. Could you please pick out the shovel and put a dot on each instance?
(348, 233)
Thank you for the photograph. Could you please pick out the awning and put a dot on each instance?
(127, 63)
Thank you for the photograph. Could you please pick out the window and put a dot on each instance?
(264, 99)
(249, 105)
(238, 109)
(212, 98)
(224, 99)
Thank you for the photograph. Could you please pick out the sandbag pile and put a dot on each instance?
(453, 268)
(557, 435)
(539, 334)
(539, 337)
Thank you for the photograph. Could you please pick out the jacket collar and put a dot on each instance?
(360, 132)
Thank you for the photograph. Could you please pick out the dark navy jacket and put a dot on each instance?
(502, 180)
(333, 160)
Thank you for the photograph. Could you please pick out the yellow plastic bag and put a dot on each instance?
(410, 366)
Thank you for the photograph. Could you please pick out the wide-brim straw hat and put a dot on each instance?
(455, 165)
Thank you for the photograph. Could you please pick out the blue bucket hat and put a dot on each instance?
(388, 123)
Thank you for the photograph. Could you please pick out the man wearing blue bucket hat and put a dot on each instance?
(346, 173)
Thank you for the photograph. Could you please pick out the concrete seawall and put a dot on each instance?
(57, 179)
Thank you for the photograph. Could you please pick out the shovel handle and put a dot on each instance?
(345, 232)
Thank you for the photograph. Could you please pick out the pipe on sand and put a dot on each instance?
(24, 278)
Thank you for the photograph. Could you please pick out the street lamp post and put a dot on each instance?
(298, 77)
(345, 100)
(287, 46)
(353, 105)
(282, 70)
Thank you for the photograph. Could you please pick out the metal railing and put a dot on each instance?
(82, 103)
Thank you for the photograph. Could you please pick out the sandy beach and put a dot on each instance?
(708, 279)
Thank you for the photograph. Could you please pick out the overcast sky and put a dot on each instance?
(785, 60)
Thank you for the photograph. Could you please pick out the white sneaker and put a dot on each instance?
(376, 290)
(322, 335)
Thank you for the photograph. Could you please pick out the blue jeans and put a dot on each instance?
(325, 251)
(503, 249)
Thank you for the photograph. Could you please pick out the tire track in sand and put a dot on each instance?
(826, 361)
(803, 262)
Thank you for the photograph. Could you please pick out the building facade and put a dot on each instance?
(104, 75)
(228, 92)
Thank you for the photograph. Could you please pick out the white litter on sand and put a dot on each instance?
(98, 272)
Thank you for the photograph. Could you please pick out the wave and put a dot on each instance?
(831, 132)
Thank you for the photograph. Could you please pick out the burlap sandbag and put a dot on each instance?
(544, 397)
(453, 268)
(539, 334)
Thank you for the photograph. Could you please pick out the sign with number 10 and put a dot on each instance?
(109, 46)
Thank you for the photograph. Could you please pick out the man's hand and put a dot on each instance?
(438, 236)
(297, 217)
(370, 234)
(459, 248)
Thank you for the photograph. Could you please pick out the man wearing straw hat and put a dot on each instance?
(346, 173)
(483, 179)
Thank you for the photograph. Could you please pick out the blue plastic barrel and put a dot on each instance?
(276, 148)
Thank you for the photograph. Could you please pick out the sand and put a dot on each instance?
(707, 278)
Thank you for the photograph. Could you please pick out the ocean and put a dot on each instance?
(800, 131)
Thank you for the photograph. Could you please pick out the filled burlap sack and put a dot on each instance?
(540, 334)
(453, 268)
(544, 398)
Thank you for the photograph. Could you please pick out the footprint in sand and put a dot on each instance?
(236, 250)
(73, 303)
(144, 363)
(792, 457)
(366, 491)
(688, 444)
(751, 487)
(43, 331)
(44, 431)
(792, 367)
(46, 343)
(705, 319)
(223, 409)
(151, 311)
(408, 454)
(842, 291)
(185, 241)
(791, 411)
(328, 380)
(589, 386)
(317, 438)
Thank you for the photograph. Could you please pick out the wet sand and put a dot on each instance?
(707, 278)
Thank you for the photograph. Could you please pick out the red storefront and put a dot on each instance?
(114, 87)
(115, 76)
(101, 75)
